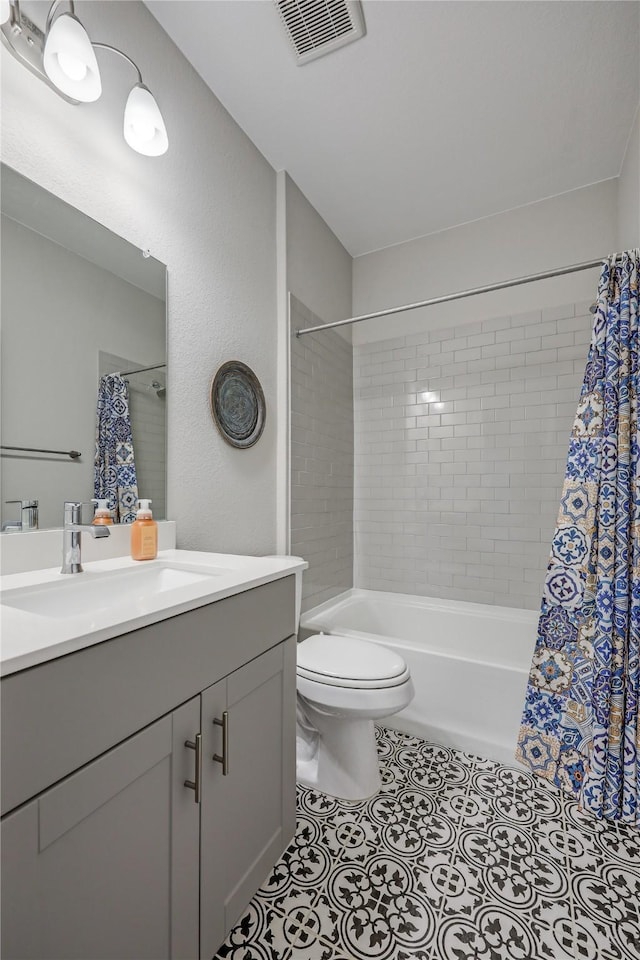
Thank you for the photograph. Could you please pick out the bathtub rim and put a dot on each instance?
(388, 640)
(460, 607)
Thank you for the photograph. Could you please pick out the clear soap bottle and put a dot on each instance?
(144, 533)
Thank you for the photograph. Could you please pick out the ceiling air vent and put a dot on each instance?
(316, 27)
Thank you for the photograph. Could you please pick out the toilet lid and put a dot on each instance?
(347, 661)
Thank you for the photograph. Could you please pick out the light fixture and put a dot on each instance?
(64, 57)
(144, 128)
(69, 60)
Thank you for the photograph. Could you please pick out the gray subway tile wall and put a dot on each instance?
(461, 437)
(321, 458)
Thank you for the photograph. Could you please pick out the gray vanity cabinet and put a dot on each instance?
(105, 864)
(106, 855)
(248, 807)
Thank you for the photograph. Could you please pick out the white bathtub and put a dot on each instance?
(469, 663)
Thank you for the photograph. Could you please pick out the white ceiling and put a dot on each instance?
(445, 112)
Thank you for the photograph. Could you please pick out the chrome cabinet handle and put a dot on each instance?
(224, 759)
(195, 784)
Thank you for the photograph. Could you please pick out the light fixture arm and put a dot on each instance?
(52, 12)
(15, 16)
(25, 40)
(107, 46)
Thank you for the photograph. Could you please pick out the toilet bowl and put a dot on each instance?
(344, 684)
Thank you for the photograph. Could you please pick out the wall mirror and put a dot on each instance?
(78, 303)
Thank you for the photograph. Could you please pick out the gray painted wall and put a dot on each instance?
(629, 192)
(320, 477)
(321, 458)
(318, 266)
(572, 228)
(207, 210)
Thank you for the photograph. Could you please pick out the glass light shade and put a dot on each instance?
(144, 128)
(69, 60)
(5, 11)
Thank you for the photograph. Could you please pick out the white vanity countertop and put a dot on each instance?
(104, 601)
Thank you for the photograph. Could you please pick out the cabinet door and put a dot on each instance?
(105, 864)
(247, 816)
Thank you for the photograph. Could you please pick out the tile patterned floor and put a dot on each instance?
(457, 858)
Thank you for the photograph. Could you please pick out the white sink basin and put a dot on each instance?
(45, 614)
(83, 593)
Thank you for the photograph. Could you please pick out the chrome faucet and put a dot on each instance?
(72, 537)
(9, 525)
(28, 516)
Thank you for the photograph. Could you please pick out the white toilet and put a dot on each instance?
(344, 684)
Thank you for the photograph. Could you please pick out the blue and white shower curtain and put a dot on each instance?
(114, 475)
(580, 727)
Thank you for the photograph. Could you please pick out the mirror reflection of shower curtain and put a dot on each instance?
(114, 465)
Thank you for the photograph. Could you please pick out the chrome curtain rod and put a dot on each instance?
(488, 288)
(129, 373)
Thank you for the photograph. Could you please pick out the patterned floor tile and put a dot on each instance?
(482, 763)
(351, 837)
(304, 865)
(319, 805)
(608, 893)
(425, 777)
(397, 737)
(593, 843)
(259, 935)
(314, 948)
(457, 858)
(624, 847)
(302, 928)
(563, 940)
(452, 886)
(596, 939)
(377, 909)
(462, 808)
(586, 824)
(512, 869)
(553, 840)
(491, 931)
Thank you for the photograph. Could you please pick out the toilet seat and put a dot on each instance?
(339, 661)
(344, 684)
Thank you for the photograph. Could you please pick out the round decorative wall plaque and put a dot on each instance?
(237, 404)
